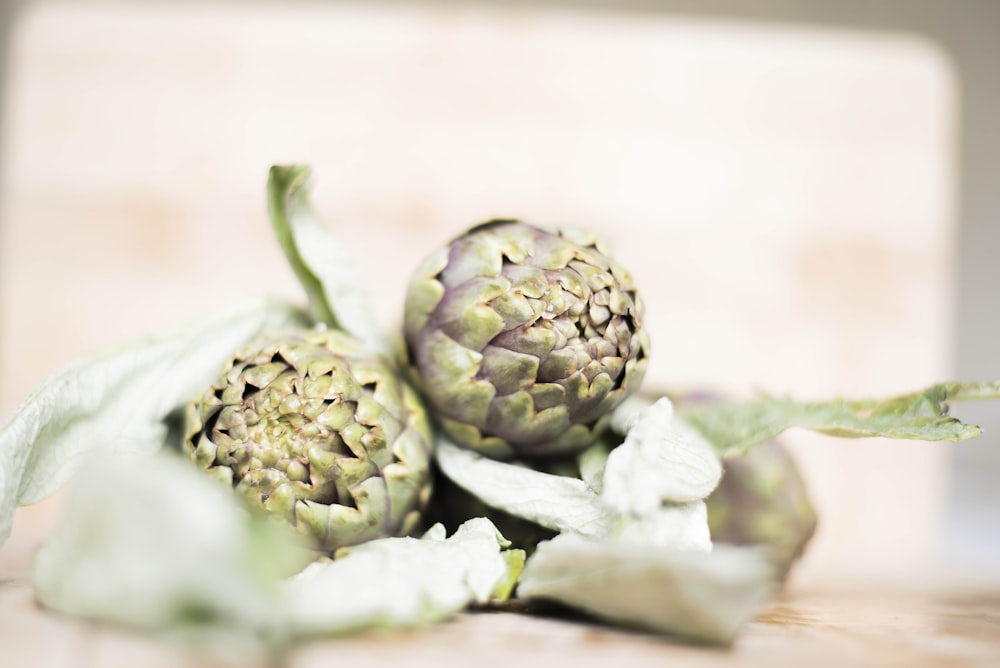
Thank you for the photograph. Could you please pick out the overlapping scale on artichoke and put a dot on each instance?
(524, 339)
(321, 432)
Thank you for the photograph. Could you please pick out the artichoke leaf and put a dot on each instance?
(662, 460)
(115, 403)
(592, 462)
(688, 594)
(569, 505)
(180, 556)
(401, 582)
(184, 558)
(560, 503)
(324, 267)
(680, 526)
(733, 427)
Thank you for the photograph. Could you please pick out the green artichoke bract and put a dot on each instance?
(524, 339)
(320, 431)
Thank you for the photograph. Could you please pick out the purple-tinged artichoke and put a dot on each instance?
(318, 430)
(762, 501)
(524, 339)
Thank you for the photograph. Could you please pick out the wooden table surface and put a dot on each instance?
(905, 629)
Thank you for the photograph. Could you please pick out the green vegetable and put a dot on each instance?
(688, 594)
(152, 543)
(632, 544)
(181, 556)
(556, 502)
(662, 468)
(117, 403)
(524, 339)
(762, 501)
(403, 582)
(661, 459)
(735, 426)
(318, 430)
(528, 344)
(451, 505)
(325, 268)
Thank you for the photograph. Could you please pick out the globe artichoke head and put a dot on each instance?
(319, 431)
(524, 339)
(762, 500)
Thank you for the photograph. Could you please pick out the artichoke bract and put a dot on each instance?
(524, 339)
(316, 429)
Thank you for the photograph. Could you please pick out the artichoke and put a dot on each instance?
(317, 430)
(523, 339)
(762, 501)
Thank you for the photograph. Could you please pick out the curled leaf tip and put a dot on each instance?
(288, 178)
(323, 265)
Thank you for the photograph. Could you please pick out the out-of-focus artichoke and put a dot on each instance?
(320, 431)
(524, 339)
(762, 501)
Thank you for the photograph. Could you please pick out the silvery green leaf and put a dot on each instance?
(682, 526)
(962, 392)
(626, 413)
(592, 462)
(504, 588)
(556, 502)
(398, 582)
(114, 403)
(323, 266)
(662, 460)
(571, 505)
(733, 427)
(154, 544)
(697, 596)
